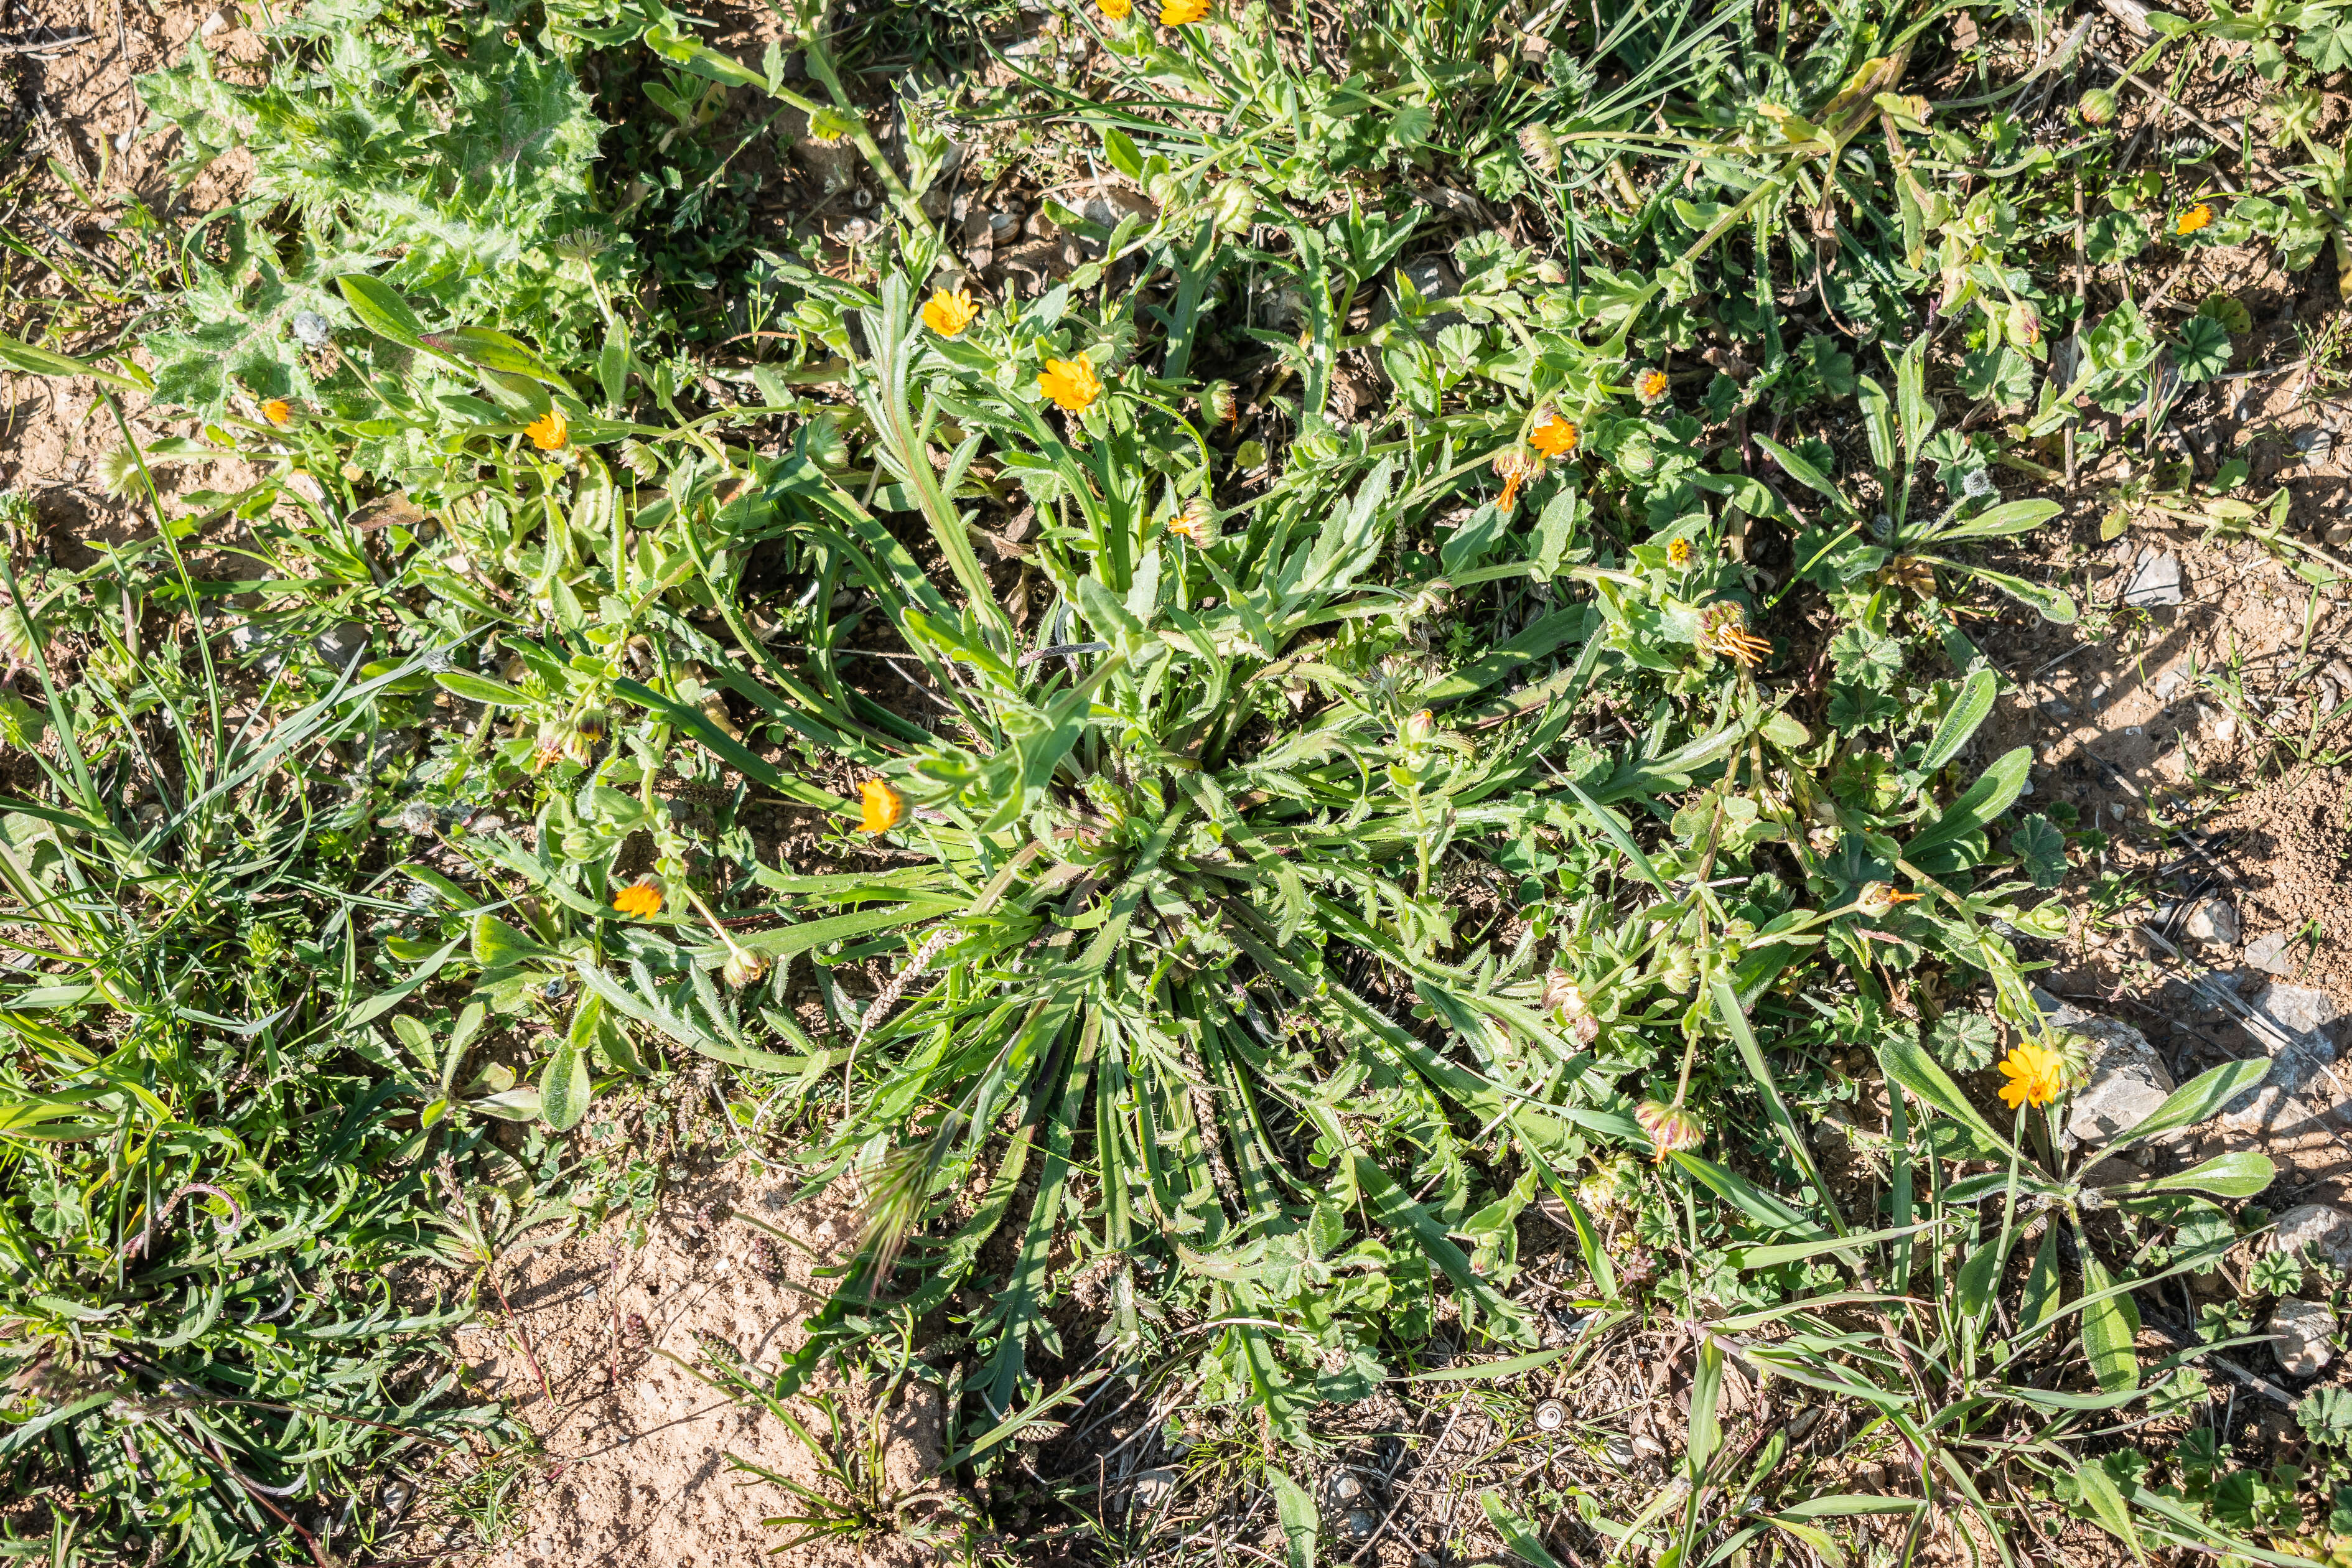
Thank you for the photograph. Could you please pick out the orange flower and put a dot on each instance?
(640, 899)
(2189, 222)
(1555, 436)
(1070, 383)
(1651, 385)
(1116, 10)
(551, 432)
(2036, 1075)
(1181, 13)
(1877, 897)
(880, 807)
(949, 314)
(277, 411)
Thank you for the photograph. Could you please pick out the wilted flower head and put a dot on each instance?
(1876, 898)
(1539, 147)
(1217, 401)
(1669, 1127)
(1194, 523)
(1680, 553)
(1723, 630)
(1514, 465)
(419, 817)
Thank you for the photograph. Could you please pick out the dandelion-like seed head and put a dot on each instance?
(312, 329)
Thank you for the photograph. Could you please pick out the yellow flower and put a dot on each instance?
(2192, 220)
(1116, 10)
(1669, 1127)
(1554, 437)
(551, 432)
(880, 807)
(1181, 12)
(949, 314)
(2036, 1075)
(1070, 383)
(1679, 554)
(640, 899)
(1651, 385)
(277, 411)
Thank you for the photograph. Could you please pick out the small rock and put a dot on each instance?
(1620, 1450)
(2128, 1079)
(1346, 1488)
(2155, 580)
(1152, 1487)
(2214, 921)
(2166, 686)
(2290, 1023)
(2300, 1331)
(1362, 1523)
(2315, 1225)
(2269, 953)
(342, 644)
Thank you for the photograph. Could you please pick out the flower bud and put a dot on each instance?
(1420, 726)
(1539, 147)
(744, 968)
(2025, 324)
(1218, 402)
(1236, 205)
(2097, 107)
(1551, 273)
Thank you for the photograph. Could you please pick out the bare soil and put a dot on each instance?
(637, 1455)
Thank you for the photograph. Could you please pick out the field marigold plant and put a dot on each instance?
(880, 807)
(639, 901)
(551, 432)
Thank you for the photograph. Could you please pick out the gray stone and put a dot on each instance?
(2155, 580)
(1152, 1487)
(2128, 1079)
(2300, 1332)
(2269, 953)
(2214, 921)
(342, 644)
(2290, 1024)
(2315, 1225)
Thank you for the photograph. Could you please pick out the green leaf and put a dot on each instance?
(2107, 1505)
(2010, 517)
(1803, 472)
(2203, 351)
(1968, 711)
(497, 945)
(2040, 851)
(1517, 1533)
(1904, 1063)
(492, 351)
(480, 688)
(1294, 1507)
(2200, 1098)
(382, 310)
(1996, 789)
(2109, 1326)
(1979, 1273)
(2039, 1303)
(24, 356)
(565, 1087)
(2239, 1175)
